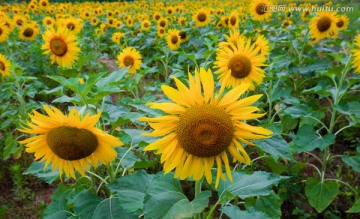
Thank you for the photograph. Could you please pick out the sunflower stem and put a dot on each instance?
(198, 184)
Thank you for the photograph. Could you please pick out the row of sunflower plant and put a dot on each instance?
(184, 109)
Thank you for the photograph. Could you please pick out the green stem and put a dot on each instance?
(198, 184)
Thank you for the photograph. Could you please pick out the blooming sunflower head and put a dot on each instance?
(263, 44)
(356, 54)
(234, 20)
(29, 31)
(342, 22)
(130, 57)
(259, 9)
(61, 45)
(173, 39)
(5, 66)
(240, 64)
(4, 31)
(200, 127)
(323, 25)
(146, 25)
(68, 142)
(202, 17)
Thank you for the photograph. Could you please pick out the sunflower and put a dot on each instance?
(356, 54)
(202, 17)
(259, 9)
(201, 127)
(160, 32)
(173, 39)
(184, 36)
(68, 142)
(19, 20)
(234, 20)
(323, 25)
(130, 57)
(48, 22)
(44, 3)
(233, 36)
(243, 60)
(157, 16)
(342, 22)
(94, 21)
(117, 36)
(4, 31)
(262, 43)
(286, 23)
(5, 66)
(145, 25)
(29, 31)
(305, 15)
(163, 23)
(61, 46)
(129, 22)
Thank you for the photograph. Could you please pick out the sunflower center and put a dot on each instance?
(1, 31)
(260, 9)
(324, 24)
(19, 22)
(162, 31)
(48, 22)
(2, 66)
(58, 47)
(340, 23)
(162, 23)
(174, 39)
(157, 17)
(128, 60)
(28, 32)
(233, 20)
(182, 35)
(44, 4)
(240, 66)
(70, 26)
(201, 17)
(70, 143)
(205, 130)
(146, 25)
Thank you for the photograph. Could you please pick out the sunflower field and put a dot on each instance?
(180, 109)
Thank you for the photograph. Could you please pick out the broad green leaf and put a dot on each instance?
(72, 83)
(37, 169)
(111, 208)
(62, 214)
(128, 158)
(165, 191)
(114, 77)
(234, 212)
(353, 162)
(137, 137)
(320, 194)
(355, 208)
(11, 146)
(259, 183)
(85, 204)
(276, 146)
(58, 201)
(350, 109)
(90, 83)
(148, 110)
(269, 205)
(307, 140)
(130, 190)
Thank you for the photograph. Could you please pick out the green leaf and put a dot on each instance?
(58, 201)
(130, 158)
(165, 191)
(111, 208)
(113, 78)
(276, 146)
(353, 162)
(269, 205)
(90, 83)
(355, 208)
(259, 183)
(11, 146)
(233, 212)
(350, 109)
(85, 204)
(131, 190)
(71, 83)
(37, 169)
(307, 140)
(320, 194)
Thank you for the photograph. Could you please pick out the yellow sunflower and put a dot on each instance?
(356, 54)
(68, 142)
(48, 21)
(342, 22)
(94, 21)
(234, 20)
(157, 16)
(61, 46)
(262, 43)
(286, 23)
(5, 66)
(184, 36)
(323, 25)
(74, 25)
(243, 60)
(202, 17)
(201, 127)
(4, 31)
(160, 32)
(29, 31)
(163, 23)
(117, 36)
(259, 9)
(146, 25)
(233, 36)
(130, 57)
(173, 39)
(19, 20)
